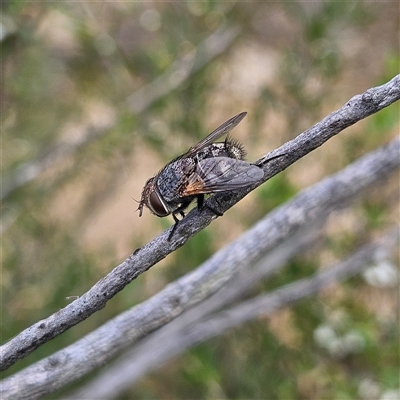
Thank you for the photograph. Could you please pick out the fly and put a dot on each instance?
(205, 168)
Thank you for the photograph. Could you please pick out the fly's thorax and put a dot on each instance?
(173, 178)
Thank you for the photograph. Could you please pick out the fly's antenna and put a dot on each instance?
(140, 208)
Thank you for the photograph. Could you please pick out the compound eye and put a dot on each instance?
(157, 206)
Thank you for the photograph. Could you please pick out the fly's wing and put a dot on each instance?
(225, 128)
(219, 174)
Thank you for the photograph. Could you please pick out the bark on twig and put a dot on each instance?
(293, 218)
(379, 163)
(182, 334)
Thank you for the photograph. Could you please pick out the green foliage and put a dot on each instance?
(275, 192)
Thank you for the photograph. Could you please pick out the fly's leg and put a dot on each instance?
(214, 210)
(179, 210)
(201, 204)
(175, 225)
(200, 201)
(263, 162)
(183, 206)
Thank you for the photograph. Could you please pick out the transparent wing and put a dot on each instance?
(225, 128)
(220, 174)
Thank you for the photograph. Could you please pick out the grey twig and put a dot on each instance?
(293, 220)
(193, 288)
(183, 333)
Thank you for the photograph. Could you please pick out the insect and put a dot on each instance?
(206, 168)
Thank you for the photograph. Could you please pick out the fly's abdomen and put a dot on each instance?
(230, 148)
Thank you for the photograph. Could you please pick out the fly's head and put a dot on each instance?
(152, 199)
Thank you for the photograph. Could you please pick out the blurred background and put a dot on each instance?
(96, 97)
